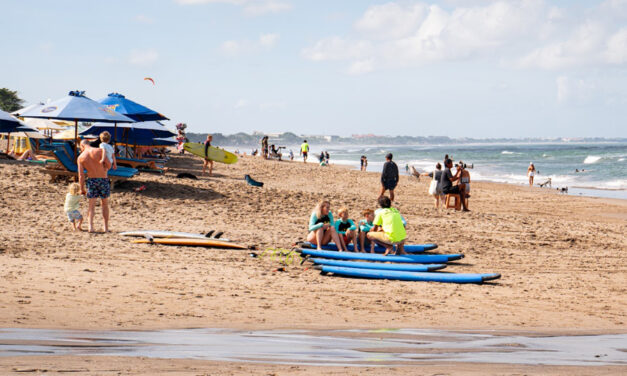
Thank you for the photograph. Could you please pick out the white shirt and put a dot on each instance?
(108, 151)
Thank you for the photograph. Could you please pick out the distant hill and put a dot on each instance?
(242, 139)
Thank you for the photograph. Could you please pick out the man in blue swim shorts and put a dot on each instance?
(95, 184)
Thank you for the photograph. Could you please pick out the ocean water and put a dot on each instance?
(602, 166)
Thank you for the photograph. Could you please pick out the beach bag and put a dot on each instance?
(433, 187)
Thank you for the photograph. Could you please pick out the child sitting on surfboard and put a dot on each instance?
(388, 229)
(321, 227)
(365, 225)
(346, 228)
(72, 202)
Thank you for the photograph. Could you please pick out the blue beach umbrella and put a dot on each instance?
(120, 104)
(76, 107)
(8, 123)
(140, 134)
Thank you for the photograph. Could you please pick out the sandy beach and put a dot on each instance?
(561, 259)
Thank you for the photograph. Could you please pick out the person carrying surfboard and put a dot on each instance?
(388, 229)
(208, 162)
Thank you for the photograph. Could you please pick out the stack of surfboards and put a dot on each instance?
(181, 238)
(411, 267)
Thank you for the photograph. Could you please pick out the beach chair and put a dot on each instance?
(140, 164)
(457, 203)
(69, 169)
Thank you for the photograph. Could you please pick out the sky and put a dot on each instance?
(457, 68)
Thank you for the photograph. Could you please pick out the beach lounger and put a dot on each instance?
(69, 168)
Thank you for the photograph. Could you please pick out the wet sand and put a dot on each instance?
(561, 257)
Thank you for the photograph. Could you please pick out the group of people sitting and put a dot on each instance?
(443, 182)
(384, 227)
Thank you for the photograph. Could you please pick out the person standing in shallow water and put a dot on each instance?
(531, 171)
(389, 177)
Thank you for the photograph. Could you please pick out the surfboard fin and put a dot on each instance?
(218, 234)
(208, 235)
(149, 238)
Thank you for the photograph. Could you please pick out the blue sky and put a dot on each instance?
(475, 68)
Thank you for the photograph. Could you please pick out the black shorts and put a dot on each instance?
(389, 185)
(454, 190)
(305, 154)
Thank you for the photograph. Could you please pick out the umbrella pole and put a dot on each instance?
(75, 138)
(115, 134)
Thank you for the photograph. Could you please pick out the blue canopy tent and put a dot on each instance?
(76, 106)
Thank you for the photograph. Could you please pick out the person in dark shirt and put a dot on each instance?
(446, 183)
(208, 162)
(389, 177)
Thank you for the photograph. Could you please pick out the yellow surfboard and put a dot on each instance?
(214, 153)
(192, 242)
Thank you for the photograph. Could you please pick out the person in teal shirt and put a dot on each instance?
(322, 227)
(346, 228)
(365, 225)
(388, 229)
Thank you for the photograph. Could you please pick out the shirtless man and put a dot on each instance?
(97, 185)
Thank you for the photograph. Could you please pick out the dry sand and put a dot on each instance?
(562, 259)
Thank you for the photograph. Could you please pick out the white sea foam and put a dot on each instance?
(621, 159)
(591, 159)
(507, 152)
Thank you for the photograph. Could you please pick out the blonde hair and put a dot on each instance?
(105, 136)
(367, 212)
(74, 189)
(342, 210)
(318, 209)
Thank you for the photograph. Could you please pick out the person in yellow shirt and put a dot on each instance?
(304, 150)
(388, 229)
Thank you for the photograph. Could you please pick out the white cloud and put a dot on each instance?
(361, 67)
(268, 40)
(520, 33)
(143, 19)
(574, 90)
(616, 52)
(241, 47)
(143, 57)
(336, 48)
(250, 7)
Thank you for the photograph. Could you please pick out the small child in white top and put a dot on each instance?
(107, 150)
(72, 202)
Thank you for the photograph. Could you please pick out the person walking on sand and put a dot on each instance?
(389, 176)
(94, 184)
(531, 171)
(264, 147)
(208, 162)
(304, 150)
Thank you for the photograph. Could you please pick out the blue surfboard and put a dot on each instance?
(410, 276)
(409, 248)
(415, 259)
(380, 266)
